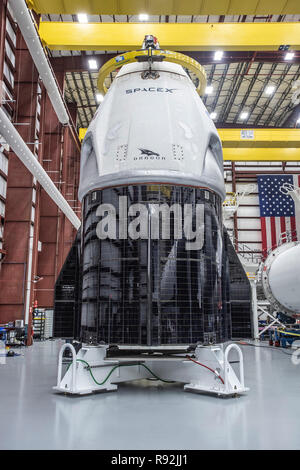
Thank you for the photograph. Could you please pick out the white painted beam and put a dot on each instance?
(32, 39)
(15, 141)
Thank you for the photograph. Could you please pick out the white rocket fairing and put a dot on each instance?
(281, 278)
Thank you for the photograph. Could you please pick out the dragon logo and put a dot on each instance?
(148, 152)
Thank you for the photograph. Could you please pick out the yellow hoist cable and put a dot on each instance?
(286, 333)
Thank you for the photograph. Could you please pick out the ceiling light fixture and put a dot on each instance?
(209, 89)
(143, 17)
(93, 65)
(289, 56)
(244, 115)
(99, 97)
(213, 115)
(270, 90)
(82, 18)
(218, 55)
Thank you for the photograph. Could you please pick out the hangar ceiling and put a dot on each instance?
(239, 80)
(170, 7)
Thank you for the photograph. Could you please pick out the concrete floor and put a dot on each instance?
(145, 414)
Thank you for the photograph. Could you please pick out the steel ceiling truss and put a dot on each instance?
(259, 95)
(262, 109)
(230, 95)
(269, 99)
(246, 96)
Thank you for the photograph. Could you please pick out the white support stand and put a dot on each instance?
(259, 308)
(91, 371)
(274, 321)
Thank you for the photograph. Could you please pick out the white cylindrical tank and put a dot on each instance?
(281, 278)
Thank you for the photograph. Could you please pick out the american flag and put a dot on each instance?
(277, 210)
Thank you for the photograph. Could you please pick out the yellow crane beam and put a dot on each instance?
(167, 7)
(174, 36)
(256, 154)
(260, 138)
(265, 145)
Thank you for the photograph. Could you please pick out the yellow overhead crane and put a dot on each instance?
(167, 7)
(257, 154)
(260, 138)
(255, 144)
(174, 36)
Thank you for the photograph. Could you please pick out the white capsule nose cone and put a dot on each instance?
(152, 130)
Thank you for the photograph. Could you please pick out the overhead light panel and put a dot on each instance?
(209, 89)
(244, 115)
(298, 120)
(82, 18)
(93, 65)
(143, 17)
(218, 55)
(99, 97)
(289, 56)
(213, 115)
(270, 90)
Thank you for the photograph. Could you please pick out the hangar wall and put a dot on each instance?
(244, 227)
(35, 236)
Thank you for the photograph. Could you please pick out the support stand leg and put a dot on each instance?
(91, 371)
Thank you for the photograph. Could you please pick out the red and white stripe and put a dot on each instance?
(273, 227)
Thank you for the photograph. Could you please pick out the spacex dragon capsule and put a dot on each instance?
(152, 264)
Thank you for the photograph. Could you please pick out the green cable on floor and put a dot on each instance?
(115, 367)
